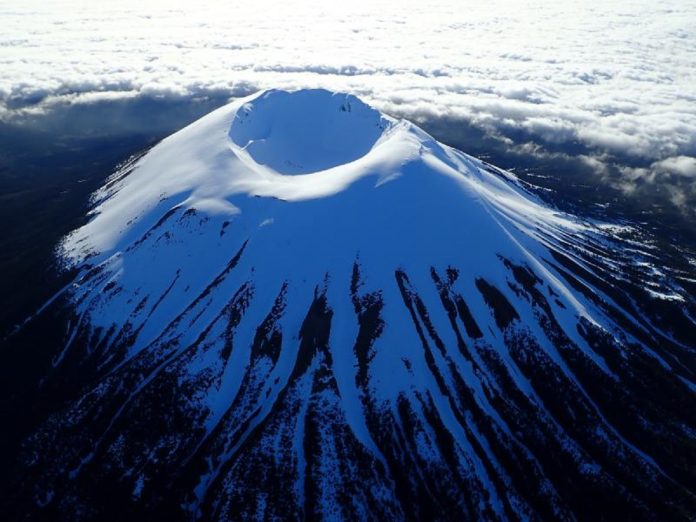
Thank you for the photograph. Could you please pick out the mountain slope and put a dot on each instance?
(298, 307)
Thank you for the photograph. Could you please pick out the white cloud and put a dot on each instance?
(614, 76)
(680, 165)
(677, 168)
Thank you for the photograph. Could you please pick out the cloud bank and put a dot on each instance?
(608, 78)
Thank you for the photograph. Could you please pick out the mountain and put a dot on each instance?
(300, 308)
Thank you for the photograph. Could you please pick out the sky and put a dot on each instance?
(615, 82)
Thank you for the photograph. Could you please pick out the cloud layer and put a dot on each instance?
(609, 77)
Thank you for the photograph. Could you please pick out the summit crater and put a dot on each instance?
(306, 131)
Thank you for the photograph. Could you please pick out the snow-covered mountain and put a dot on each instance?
(300, 308)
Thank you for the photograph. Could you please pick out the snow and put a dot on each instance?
(312, 180)
(298, 187)
(272, 130)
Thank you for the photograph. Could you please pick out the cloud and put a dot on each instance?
(603, 77)
(678, 165)
(675, 168)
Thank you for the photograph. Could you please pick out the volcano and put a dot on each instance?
(298, 307)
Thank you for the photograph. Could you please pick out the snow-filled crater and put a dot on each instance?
(306, 131)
